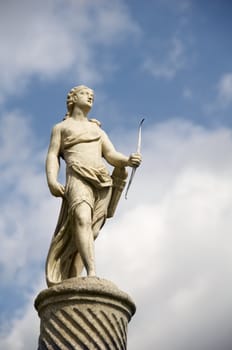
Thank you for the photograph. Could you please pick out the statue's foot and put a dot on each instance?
(91, 273)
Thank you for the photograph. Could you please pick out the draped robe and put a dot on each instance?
(84, 183)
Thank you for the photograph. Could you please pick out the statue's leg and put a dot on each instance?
(77, 266)
(83, 236)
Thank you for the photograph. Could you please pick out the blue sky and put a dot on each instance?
(169, 244)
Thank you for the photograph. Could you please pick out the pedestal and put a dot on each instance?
(86, 313)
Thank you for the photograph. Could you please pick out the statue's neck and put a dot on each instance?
(79, 114)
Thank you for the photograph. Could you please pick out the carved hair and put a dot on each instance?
(70, 99)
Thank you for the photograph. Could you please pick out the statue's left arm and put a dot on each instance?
(116, 158)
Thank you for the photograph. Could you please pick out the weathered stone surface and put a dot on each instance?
(84, 313)
(90, 194)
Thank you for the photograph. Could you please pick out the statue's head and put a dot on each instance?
(81, 95)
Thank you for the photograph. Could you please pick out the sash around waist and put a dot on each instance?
(99, 177)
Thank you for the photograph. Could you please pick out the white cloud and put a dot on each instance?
(172, 242)
(169, 246)
(24, 328)
(223, 96)
(24, 333)
(24, 223)
(225, 89)
(48, 38)
(172, 61)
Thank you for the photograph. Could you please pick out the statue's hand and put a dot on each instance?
(56, 189)
(134, 160)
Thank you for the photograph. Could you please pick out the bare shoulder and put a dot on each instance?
(95, 121)
(57, 128)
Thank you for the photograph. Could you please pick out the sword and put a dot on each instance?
(138, 151)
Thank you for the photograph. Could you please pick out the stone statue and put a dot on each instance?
(89, 196)
(83, 313)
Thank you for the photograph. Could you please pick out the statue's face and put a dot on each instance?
(85, 98)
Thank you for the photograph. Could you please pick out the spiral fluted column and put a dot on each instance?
(84, 313)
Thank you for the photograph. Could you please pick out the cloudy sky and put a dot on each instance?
(170, 244)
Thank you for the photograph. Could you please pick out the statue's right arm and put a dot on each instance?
(53, 163)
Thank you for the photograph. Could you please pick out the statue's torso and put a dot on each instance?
(81, 141)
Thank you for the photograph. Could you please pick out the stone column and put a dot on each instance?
(86, 313)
